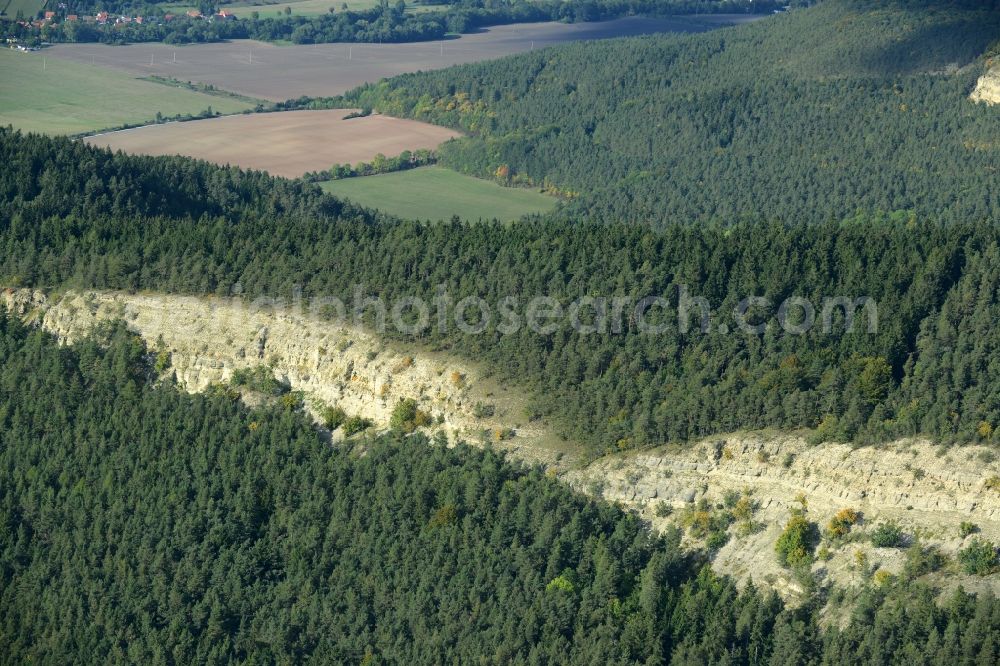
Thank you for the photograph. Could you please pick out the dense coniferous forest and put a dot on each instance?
(82, 217)
(808, 116)
(140, 524)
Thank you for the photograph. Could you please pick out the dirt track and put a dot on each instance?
(284, 144)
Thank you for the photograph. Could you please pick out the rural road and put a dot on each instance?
(278, 73)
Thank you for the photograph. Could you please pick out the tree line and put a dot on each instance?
(77, 216)
(385, 22)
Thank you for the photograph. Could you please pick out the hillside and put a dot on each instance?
(140, 524)
(929, 491)
(808, 116)
(745, 371)
(85, 218)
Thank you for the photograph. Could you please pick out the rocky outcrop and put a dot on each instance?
(207, 339)
(988, 87)
(928, 490)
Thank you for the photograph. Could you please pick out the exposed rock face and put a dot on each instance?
(23, 301)
(988, 87)
(927, 490)
(333, 364)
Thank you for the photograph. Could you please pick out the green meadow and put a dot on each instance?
(28, 8)
(56, 96)
(435, 193)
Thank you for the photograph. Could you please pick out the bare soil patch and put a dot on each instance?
(284, 144)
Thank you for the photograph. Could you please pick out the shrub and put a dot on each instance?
(731, 497)
(162, 362)
(887, 535)
(333, 417)
(483, 410)
(795, 545)
(292, 401)
(842, 522)
(967, 528)
(921, 560)
(698, 522)
(744, 508)
(883, 578)
(716, 540)
(979, 558)
(355, 424)
(260, 379)
(407, 418)
(861, 561)
(663, 510)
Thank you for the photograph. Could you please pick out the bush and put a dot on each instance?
(883, 578)
(921, 560)
(887, 535)
(356, 424)
(967, 528)
(979, 558)
(483, 410)
(260, 379)
(407, 418)
(716, 540)
(163, 360)
(292, 401)
(842, 522)
(663, 510)
(796, 544)
(333, 417)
